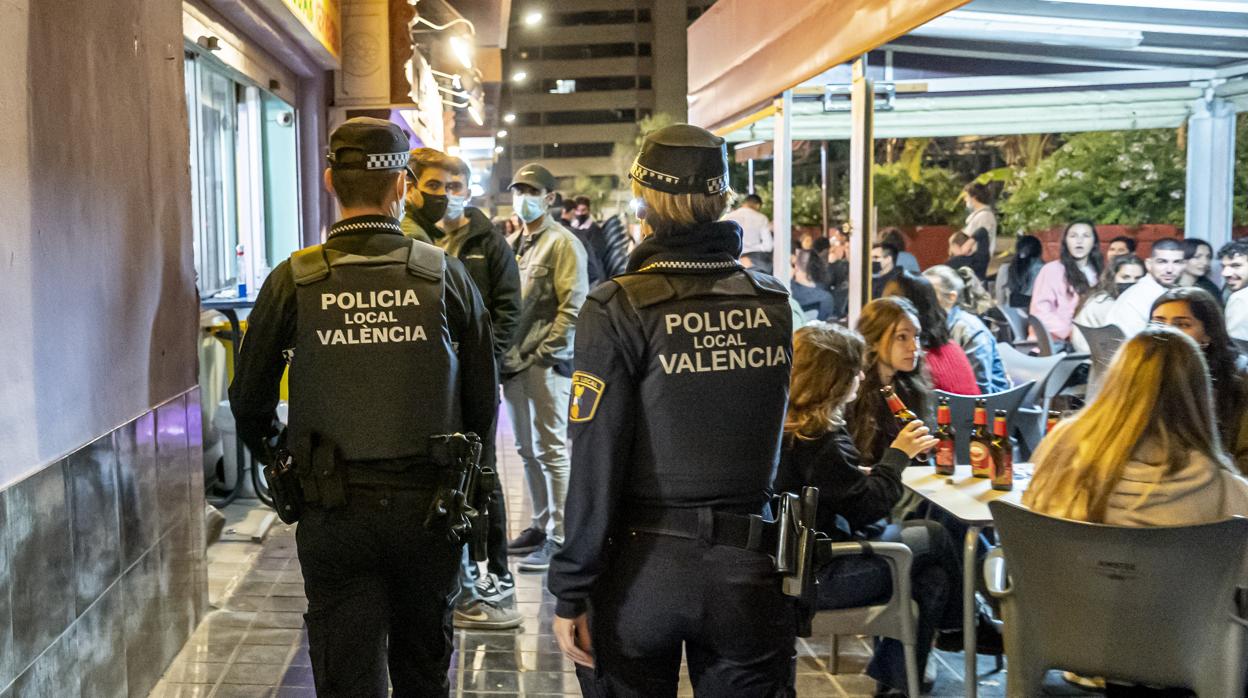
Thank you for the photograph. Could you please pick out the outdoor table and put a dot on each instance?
(966, 498)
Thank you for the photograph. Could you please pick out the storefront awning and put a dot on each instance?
(743, 52)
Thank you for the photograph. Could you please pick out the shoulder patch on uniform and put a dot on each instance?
(587, 390)
(604, 291)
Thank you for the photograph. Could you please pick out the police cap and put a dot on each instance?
(365, 143)
(682, 159)
(535, 176)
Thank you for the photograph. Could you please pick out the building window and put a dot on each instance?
(589, 116)
(563, 87)
(614, 82)
(574, 19)
(244, 177)
(524, 152)
(643, 82)
(577, 150)
(583, 51)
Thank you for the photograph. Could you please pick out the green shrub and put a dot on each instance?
(1109, 177)
(901, 200)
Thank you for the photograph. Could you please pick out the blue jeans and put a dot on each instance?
(935, 578)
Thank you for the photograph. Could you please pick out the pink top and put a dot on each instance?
(950, 370)
(1053, 301)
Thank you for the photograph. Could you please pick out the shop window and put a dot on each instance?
(212, 107)
(563, 87)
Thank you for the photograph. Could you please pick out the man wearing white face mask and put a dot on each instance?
(537, 368)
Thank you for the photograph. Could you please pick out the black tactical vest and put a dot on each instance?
(716, 385)
(374, 371)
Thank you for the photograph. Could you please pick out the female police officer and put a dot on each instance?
(678, 398)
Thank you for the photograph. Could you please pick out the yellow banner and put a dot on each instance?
(322, 19)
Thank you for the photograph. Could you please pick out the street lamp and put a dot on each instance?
(502, 134)
(509, 118)
(532, 19)
(519, 76)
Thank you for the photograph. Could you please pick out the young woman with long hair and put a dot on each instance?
(1064, 282)
(1146, 452)
(947, 364)
(890, 327)
(1196, 313)
(817, 450)
(1094, 311)
(1198, 255)
(1014, 280)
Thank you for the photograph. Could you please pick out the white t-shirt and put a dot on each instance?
(755, 229)
(1132, 311)
(1237, 314)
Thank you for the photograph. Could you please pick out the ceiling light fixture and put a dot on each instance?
(532, 19)
(462, 51)
(475, 112)
(519, 76)
(1185, 6)
(502, 133)
(509, 118)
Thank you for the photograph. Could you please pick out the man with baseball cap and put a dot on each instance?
(388, 344)
(537, 369)
(678, 403)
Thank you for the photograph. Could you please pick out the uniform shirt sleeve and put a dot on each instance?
(601, 452)
(571, 285)
(478, 373)
(257, 377)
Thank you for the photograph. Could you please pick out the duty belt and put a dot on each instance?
(749, 532)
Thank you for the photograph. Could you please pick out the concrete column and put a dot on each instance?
(861, 199)
(1210, 170)
(782, 188)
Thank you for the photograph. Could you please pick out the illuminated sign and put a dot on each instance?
(323, 19)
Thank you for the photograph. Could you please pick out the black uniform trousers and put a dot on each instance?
(379, 590)
(723, 604)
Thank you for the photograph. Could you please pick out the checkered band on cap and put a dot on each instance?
(387, 161)
(671, 183)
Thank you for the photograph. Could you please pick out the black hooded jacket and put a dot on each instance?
(492, 265)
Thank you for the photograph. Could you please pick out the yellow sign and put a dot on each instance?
(323, 19)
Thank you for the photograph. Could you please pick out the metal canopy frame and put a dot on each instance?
(1005, 67)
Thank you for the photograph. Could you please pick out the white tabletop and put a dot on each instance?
(962, 495)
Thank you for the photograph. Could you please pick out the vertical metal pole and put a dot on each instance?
(782, 188)
(1210, 170)
(861, 156)
(749, 164)
(823, 181)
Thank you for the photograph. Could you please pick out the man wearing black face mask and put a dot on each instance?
(427, 193)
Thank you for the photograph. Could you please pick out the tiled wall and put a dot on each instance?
(102, 574)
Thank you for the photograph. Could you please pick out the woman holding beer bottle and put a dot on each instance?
(818, 450)
(890, 326)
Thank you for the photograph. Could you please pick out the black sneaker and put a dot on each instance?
(493, 588)
(530, 539)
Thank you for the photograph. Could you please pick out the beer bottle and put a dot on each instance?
(1054, 417)
(981, 442)
(901, 413)
(1002, 454)
(945, 458)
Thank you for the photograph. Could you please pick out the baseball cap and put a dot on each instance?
(535, 176)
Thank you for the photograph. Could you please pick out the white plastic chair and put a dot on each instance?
(897, 618)
(1152, 606)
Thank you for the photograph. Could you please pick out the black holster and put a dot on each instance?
(795, 552)
(461, 504)
(285, 488)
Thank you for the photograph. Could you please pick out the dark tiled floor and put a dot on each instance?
(254, 643)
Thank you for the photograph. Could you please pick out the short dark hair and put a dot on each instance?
(362, 188)
(569, 205)
(583, 200)
(1234, 248)
(753, 199)
(982, 193)
(888, 250)
(893, 236)
(1166, 244)
(1126, 240)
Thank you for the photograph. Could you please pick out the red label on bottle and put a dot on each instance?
(895, 404)
(945, 461)
(981, 459)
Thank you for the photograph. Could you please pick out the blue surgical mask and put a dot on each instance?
(454, 207)
(529, 207)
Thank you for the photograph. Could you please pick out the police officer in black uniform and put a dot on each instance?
(388, 344)
(678, 399)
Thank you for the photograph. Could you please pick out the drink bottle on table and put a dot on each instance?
(1002, 452)
(946, 459)
(981, 442)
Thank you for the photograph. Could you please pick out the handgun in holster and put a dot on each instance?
(795, 551)
(283, 481)
(460, 507)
